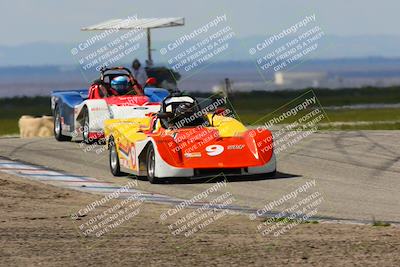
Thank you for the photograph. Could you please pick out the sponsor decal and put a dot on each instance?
(235, 147)
(193, 155)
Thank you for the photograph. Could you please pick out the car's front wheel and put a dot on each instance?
(114, 159)
(58, 126)
(151, 165)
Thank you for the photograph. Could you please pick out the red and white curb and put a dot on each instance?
(82, 183)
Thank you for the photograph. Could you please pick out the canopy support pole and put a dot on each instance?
(149, 46)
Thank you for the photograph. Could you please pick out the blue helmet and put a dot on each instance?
(120, 84)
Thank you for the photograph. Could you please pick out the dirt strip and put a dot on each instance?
(36, 229)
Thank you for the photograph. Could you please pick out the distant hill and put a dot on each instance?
(346, 72)
(35, 54)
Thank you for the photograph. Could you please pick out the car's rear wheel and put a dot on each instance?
(58, 126)
(151, 165)
(114, 159)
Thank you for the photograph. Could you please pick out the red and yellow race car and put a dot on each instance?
(183, 140)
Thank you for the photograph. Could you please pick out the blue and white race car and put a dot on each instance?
(116, 94)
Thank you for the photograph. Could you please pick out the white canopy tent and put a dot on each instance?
(134, 23)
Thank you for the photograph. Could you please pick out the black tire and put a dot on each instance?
(85, 129)
(113, 159)
(58, 127)
(150, 164)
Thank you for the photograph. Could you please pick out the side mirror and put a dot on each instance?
(150, 81)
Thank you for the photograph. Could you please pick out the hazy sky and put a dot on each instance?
(26, 21)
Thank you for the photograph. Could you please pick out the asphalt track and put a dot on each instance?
(356, 173)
